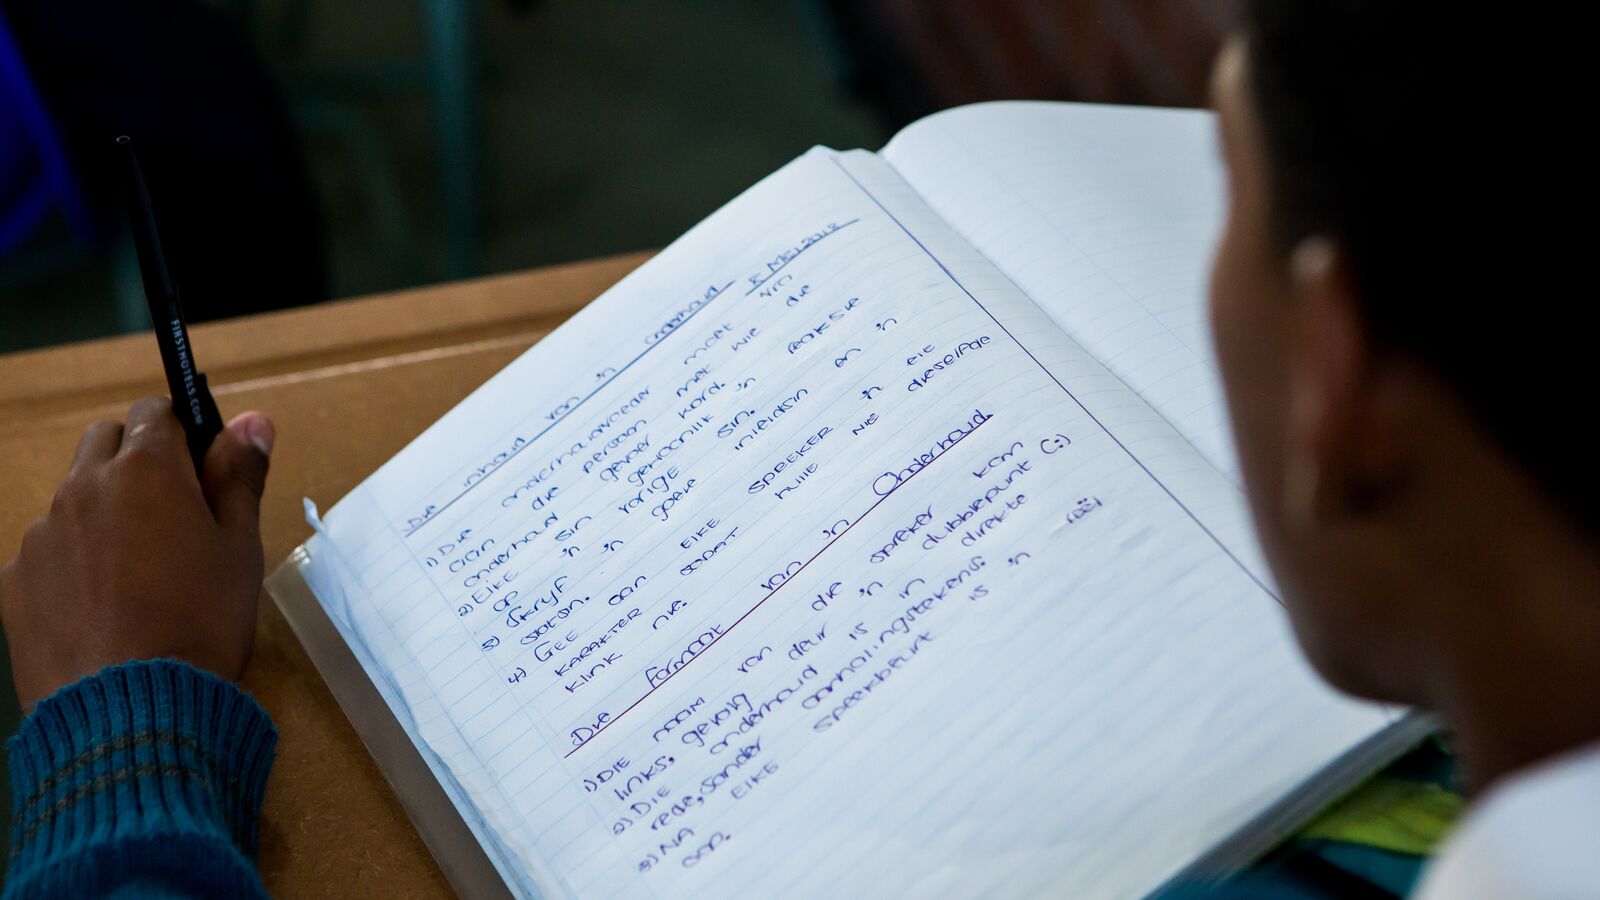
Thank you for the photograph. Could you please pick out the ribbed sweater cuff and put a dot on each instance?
(141, 751)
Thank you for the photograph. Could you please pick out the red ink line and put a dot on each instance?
(780, 587)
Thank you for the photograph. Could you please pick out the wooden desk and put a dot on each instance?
(348, 384)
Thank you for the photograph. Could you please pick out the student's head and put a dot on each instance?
(1406, 370)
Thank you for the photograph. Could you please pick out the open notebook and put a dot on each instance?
(880, 537)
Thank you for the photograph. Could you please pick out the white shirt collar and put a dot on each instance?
(1535, 835)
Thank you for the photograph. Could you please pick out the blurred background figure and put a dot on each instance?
(913, 57)
(222, 156)
(306, 149)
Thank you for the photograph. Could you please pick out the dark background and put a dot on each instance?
(307, 149)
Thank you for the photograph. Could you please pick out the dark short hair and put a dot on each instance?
(1412, 133)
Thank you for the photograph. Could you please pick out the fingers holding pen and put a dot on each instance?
(99, 443)
(235, 472)
(132, 563)
(153, 429)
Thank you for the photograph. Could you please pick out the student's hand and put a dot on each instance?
(138, 558)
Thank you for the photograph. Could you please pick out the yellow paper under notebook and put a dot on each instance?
(879, 537)
(1394, 814)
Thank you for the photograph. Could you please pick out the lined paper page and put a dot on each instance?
(813, 560)
(1106, 217)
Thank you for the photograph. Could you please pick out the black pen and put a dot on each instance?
(191, 399)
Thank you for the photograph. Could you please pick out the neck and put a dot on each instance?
(1516, 667)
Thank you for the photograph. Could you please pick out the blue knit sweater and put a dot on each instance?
(142, 781)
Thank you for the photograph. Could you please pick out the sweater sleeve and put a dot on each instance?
(144, 780)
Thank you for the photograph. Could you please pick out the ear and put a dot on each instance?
(1340, 450)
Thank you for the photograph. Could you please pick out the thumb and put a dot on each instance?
(235, 471)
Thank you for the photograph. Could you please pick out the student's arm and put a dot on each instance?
(129, 612)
